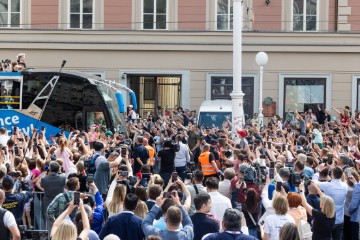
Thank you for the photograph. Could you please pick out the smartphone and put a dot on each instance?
(325, 144)
(278, 186)
(283, 148)
(346, 148)
(123, 152)
(76, 198)
(90, 178)
(269, 145)
(124, 173)
(272, 170)
(146, 175)
(166, 195)
(174, 176)
(295, 142)
(313, 145)
(348, 173)
(42, 128)
(310, 139)
(62, 131)
(16, 150)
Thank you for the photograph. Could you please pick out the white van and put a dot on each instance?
(214, 113)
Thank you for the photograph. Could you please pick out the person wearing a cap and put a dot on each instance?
(208, 135)
(207, 163)
(14, 202)
(131, 113)
(7, 222)
(243, 141)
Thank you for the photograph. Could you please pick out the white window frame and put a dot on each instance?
(81, 15)
(229, 14)
(8, 24)
(304, 17)
(282, 77)
(154, 13)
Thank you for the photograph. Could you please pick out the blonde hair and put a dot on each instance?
(62, 144)
(118, 198)
(66, 230)
(280, 204)
(141, 209)
(328, 208)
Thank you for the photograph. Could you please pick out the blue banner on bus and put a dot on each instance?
(10, 118)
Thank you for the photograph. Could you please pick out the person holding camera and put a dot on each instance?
(175, 215)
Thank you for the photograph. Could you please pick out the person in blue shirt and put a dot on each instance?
(125, 225)
(174, 216)
(354, 209)
(232, 224)
(285, 176)
(97, 217)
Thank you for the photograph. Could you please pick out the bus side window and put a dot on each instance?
(10, 94)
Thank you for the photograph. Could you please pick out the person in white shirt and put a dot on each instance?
(7, 222)
(3, 136)
(224, 186)
(273, 223)
(182, 157)
(196, 188)
(219, 202)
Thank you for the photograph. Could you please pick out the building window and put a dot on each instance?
(221, 88)
(304, 93)
(81, 14)
(154, 14)
(224, 15)
(10, 13)
(304, 15)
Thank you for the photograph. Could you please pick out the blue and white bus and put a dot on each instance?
(77, 101)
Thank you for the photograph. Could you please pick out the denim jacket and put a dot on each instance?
(354, 207)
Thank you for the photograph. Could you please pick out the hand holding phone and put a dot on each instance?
(174, 176)
(278, 186)
(76, 198)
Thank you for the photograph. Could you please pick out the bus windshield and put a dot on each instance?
(113, 107)
(213, 119)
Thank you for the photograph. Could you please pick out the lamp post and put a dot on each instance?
(237, 95)
(261, 60)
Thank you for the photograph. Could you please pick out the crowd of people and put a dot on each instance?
(165, 177)
(7, 65)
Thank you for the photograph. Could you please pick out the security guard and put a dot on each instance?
(207, 163)
(8, 224)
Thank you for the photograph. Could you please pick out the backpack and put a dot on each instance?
(304, 230)
(90, 164)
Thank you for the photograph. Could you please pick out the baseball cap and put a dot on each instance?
(108, 133)
(241, 133)
(8, 179)
(242, 168)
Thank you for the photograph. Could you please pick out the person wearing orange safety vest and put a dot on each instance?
(207, 163)
(151, 151)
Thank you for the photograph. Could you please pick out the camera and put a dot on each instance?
(295, 178)
(172, 145)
